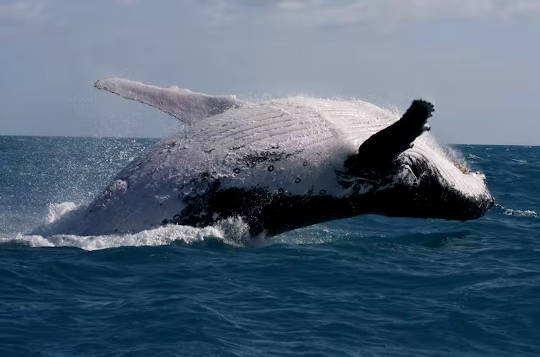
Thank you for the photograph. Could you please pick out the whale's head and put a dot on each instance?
(431, 182)
(424, 181)
(404, 172)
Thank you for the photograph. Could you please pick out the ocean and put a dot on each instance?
(365, 286)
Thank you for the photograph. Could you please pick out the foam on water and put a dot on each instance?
(232, 231)
(152, 237)
(518, 212)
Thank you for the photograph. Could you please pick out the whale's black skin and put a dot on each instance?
(278, 212)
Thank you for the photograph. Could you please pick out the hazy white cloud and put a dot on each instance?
(320, 12)
(375, 12)
(13, 12)
(127, 2)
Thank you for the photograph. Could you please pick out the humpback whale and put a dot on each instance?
(279, 165)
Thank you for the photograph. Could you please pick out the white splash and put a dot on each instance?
(232, 231)
(451, 166)
(520, 213)
(57, 210)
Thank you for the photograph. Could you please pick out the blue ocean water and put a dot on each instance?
(369, 285)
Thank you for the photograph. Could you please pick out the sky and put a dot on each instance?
(477, 60)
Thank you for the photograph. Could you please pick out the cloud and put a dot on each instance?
(14, 12)
(127, 2)
(376, 12)
(398, 11)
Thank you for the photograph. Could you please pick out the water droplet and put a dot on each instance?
(297, 180)
(271, 168)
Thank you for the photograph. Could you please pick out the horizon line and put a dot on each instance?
(159, 138)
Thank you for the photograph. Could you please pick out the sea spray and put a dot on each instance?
(232, 231)
(57, 210)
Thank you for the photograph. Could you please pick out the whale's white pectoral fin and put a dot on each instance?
(183, 104)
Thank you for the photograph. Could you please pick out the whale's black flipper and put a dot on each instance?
(380, 149)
